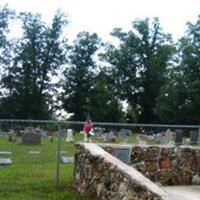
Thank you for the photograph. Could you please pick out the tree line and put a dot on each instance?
(41, 73)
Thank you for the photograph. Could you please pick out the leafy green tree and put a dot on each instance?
(79, 75)
(104, 105)
(182, 104)
(39, 54)
(139, 65)
(5, 47)
(170, 107)
(5, 15)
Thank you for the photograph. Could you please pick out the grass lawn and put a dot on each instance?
(32, 176)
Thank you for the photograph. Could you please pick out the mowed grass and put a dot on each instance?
(32, 176)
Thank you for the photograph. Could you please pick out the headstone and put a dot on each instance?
(66, 159)
(5, 161)
(178, 137)
(123, 154)
(70, 137)
(5, 153)
(193, 137)
(122, 133)
(143, 137)
(10, 135)
(157, 137)
(98, 132)
(108, 137)
(163, 140)
(142, 142)
(34, 152)
(31, 138)
(63, 152)
(43, 133)
(169, 136)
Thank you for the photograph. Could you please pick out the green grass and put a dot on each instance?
(32, 176)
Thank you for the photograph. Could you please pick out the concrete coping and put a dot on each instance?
(132, 173)
(146, 146)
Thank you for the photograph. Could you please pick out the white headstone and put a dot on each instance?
(34, 152)
(5, 161)
(168, 136)
(67, 160)
(157, 137)
(70, 137)
(5, 153)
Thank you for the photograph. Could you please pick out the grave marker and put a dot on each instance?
(123, 154)
(66, 159)
(5, 153)
(5, 161)
(31, 138)
(70, 137)
(169, 136)
(178, 137)
(193, 137)
(34, 152)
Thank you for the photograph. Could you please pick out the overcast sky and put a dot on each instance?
(101, 16)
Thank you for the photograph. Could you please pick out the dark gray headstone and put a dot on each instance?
(109, 137)
(31, 138)
(123, 154)
(178, 137)
(122, 133)
(98, 132)
(194, 137)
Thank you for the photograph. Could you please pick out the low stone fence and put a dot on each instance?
(168, 165)
(99, 175)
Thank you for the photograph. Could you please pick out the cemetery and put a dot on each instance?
(115, 165)
(99, 100)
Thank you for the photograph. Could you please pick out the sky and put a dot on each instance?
(101, 16)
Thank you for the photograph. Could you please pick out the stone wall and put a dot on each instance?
(99, 175)
(168, 165)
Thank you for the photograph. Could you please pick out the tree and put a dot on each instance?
(5, 46)
(139, 65)
(104, 105)
(5, 15)
(79, 75)
(39, 54)
(184, 94)
(170, 104)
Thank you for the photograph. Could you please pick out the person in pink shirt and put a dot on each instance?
(87, 128)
